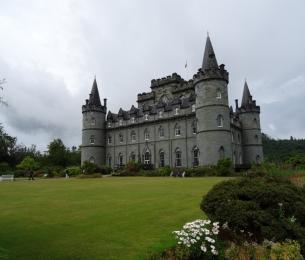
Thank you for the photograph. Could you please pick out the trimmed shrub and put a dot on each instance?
(258, 208)
(73, 171)
(224, 167)
(201, 171)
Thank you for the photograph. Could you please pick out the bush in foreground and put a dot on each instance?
(259, 208)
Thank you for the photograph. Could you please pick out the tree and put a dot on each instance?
(2, 102)
(7, 144)
(57, 153)
(28, 163)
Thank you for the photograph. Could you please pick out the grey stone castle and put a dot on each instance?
(178, 123)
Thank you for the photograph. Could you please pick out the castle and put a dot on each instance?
(178, 123)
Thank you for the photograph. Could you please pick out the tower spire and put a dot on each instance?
(209, 58)
(246, 95)
(94, 96)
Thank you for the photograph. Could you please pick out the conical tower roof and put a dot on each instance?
(246, 95)
(94, 96)
(209, 58)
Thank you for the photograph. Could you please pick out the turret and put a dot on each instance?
(249, 114)
(93, 147)
(212, 109)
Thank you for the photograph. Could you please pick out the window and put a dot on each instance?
(132, 120)
(109, 124)
(219, 121)
(238, 138)
(194, 127)
(178, 158)
(232, 135)
(92, 160)
(93, 121)
(92, 139)
(161, 132)
(218, 94)
(221, 153)
(258, 159)
(109, 160)
(133, 136)
(195, 156)
(256, 138)
(146, 116)
(120, 159)
(120, 122)
(177, 130)
(109, 139)
(161, 157)
(133, 157)
(160, 114)
(176, 111)
(193, 108)
(147, 157)
(255, 123)
(121, 138)
(146, 135)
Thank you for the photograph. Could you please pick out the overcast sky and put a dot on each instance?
(51, 50)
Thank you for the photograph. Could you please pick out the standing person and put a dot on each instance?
(31, 176)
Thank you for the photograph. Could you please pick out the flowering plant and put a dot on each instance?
(200, 238)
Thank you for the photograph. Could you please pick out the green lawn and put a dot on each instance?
(108, 218)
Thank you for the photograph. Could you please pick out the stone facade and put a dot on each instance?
(178, 123)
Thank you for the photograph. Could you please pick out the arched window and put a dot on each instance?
(121, 138)
(164, 99)
(133, 136)
(121, 159)
(177, 130)
(161, 159)
(109, 160)
(255, 123)
(92, 160)
(193, 108)
(195, 156)
(218, 94)
(93, 121)
(178, 160)
(161, 132)
(147, 157)
(92, 139)
(109, 140)
(160, 114)
(176, 111)
(146, 116)
(146, 135)
(133, 157)
(221, 153)
(256, 138)
(194, 127)
(220, 121)
(258, 159)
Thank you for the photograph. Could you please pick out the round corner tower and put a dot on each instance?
(249, 114)
(93, 147)
(212, 110)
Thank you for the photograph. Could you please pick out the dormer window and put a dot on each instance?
(176, 111)
(146, 135)
(160, 114)
(120, 122)
(132, 120)
(146, 116)
(218, 94)
(193, 108)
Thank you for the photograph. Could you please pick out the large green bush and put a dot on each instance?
(258, 208)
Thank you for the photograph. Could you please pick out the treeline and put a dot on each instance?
(282, 150)
(57, 154)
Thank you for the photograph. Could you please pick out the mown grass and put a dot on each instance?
(108, 218)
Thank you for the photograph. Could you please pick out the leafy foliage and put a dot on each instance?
(258, 208)
(28, 163)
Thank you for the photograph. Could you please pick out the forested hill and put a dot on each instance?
(279, 150)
